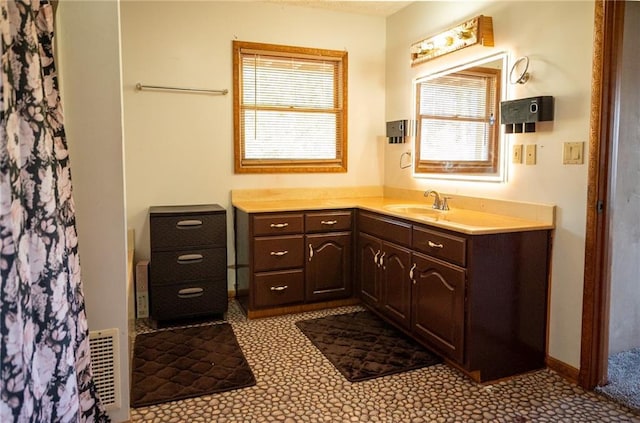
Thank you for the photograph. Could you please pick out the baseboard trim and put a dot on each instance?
(301, 308)
(563, 369)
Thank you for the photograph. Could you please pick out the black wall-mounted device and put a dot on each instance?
(397, 131)
(521, 115)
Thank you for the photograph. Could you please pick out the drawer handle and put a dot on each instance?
(185, 224)
(190, 258)
(328, 222)
(435, 245)
(279, 253)
(375, 258)
(279, 225)
(279, 288)
(411, 273)
(190, 292)
(381, 260)
(310, 252)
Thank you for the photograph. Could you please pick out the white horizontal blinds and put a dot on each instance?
(456, 115)
(290, 108)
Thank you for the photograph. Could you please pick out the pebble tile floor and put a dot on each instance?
(296, 383)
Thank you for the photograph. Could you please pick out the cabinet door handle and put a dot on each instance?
(411, 273)
(279, 225)
(375, 258)
(328, 222)
(435, 245)
(279, 288)
(190, 258)
(279, 253)
(190, 292)
(310, 252)
(381, 261)
(191, 223)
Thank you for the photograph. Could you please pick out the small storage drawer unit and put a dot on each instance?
(188, 267)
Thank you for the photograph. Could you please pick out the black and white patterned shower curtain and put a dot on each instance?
(45, 371)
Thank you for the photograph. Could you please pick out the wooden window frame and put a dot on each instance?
(481, 167)
(243, 165)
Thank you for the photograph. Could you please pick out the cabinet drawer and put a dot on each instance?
(279, 288)
(385, 228)
(173, 232)
(189, 299)
(278, 252)
(188, 265)
(327, 221)
(438, 244)
(278, 224)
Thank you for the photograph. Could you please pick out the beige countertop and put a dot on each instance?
(464, 220)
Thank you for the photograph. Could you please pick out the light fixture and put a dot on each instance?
(478, 30)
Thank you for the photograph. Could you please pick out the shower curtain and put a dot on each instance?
(45, 364)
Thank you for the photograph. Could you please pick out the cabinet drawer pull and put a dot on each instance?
(190, 292)
(381, 260)
(190, 258)
(279, 225)
(310, 252)
(279, 253)
(375, 258)
(411, 273)
(435, 245)
(192, 223)
(328, 222)
(279, 288)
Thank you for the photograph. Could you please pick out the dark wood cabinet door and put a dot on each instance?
(395, 263)
(328, 266)
(369, 250)
(438, 301)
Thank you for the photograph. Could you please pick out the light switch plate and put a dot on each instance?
(516, 156)
(573, 153)
(530, 157)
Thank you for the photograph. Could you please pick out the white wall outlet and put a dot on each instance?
(516, 154)
(573, 153)
(530, 157)
(142, 305)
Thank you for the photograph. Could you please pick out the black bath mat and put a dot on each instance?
(362, 346)
(188, 362)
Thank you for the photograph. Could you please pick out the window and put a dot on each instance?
(289, 109)
(457, 126)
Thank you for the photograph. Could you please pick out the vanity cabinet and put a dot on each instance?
(478, 300)
(188, 266)
(384, 277)
(293, 258)
(437, 304)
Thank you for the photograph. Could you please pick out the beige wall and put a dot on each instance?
(560, 66)
(179, 147)
(624, 324)
(88, 49)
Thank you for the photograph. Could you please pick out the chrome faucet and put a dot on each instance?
(439, 203)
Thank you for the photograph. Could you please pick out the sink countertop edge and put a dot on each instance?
(378, 204)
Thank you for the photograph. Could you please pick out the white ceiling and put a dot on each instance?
(374, 8)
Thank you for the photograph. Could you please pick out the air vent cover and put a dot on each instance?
(106, 366)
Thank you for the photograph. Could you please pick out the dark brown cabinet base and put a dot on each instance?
(478, 300)
(294, 259)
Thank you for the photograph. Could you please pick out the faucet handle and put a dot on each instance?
(445, 203)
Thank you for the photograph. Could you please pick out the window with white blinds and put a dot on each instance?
(289, 105)
(456, 124)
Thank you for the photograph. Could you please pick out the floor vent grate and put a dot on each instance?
(106, 367)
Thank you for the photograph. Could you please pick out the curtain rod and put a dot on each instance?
(141, 87)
